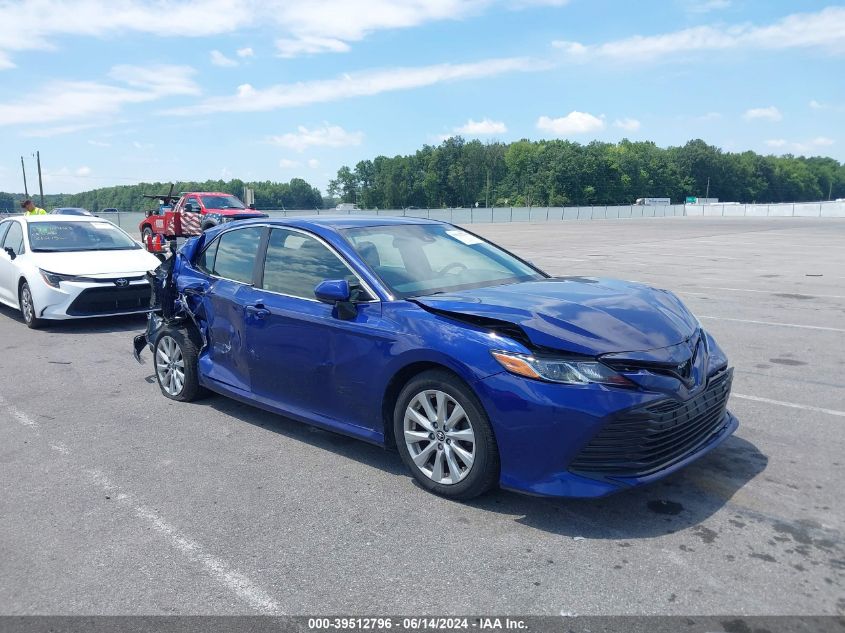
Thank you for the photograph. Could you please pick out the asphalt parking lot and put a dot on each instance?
(114, 500)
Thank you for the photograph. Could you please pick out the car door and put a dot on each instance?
(228, 264)
(11, 236)
(304, 358)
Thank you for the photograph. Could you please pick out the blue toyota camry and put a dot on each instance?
(479, 368)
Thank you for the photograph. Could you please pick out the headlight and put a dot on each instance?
(569, 372)
(53, 279)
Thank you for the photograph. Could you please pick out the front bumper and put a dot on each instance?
(544, 431)
(86, 299)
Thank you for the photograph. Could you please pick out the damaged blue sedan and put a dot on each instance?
(478, 367)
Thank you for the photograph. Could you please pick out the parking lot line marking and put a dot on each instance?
(236, 581)
(796, 325)
(18, 415)
(792, 405)
(768, 291)
(224, 573)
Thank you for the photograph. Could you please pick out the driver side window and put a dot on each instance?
(296, 263)
(14, 238)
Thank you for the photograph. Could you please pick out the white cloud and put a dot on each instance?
(98, 143)
(770, 113)
(822, 141)
(313, 163)
(293, 47)
(245, 52)
(627, 124)
(302, 27)
(815, 105)
(485, 127)
(365, 83)
(325, 136)
(81, 100)
(289, 164)
(801, 147)
(572, 124)
(140, 145)
(219, 59)
(36, 24)
(83, 171)
(823, 30)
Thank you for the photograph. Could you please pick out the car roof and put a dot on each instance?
(339, 222)
(206, 193)
(74, 208)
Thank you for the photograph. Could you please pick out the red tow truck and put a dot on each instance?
(192, 213)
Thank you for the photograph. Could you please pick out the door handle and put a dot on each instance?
(258, 311)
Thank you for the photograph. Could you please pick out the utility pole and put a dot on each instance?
(40, 185)
(23, 169)
(830, 190)
(487, 194)
(707, 195)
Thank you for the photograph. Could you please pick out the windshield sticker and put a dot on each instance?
(466, 238)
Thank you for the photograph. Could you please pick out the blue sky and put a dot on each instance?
(136, 90)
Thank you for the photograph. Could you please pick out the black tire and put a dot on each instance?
(483, 474)
(145, 234)
(208, 225)
(188, 347)
(27, 306)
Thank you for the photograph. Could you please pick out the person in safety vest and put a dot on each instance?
(31, 209)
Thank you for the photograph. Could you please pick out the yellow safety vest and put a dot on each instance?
(37, 211)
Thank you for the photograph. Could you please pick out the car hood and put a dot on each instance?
(576, 314)
(239, 213)
(97, 263)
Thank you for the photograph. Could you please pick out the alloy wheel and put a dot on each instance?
(27, 306)
(170, 365)
(439, 437)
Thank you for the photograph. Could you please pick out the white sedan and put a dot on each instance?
(67, 267)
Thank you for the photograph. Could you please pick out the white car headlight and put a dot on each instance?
(54, 279)
(569, 372)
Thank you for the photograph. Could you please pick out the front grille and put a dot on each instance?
(646, 440)
(94, 301)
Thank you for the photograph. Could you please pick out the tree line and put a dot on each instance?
(459, 173)
(296, 194)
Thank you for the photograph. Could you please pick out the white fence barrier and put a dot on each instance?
(131, 220)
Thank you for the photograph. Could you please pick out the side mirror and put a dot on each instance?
(10, 252)
(332, 291)
(188, 208)
(252, 206)
(338, 293)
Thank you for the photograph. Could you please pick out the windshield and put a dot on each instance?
(221, 202)
(422, 259)
(50, 237)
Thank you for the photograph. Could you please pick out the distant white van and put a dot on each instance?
(652, 202)
(346, 206)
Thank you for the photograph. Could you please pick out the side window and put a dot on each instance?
(4, 226)
(205, 261)
(236, 254)
(296, 263)
(14, 238)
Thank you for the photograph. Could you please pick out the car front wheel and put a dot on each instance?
(175, 361)
(28, 307)
(444, 436)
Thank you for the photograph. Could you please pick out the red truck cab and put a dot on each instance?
(193, 213)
